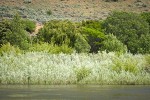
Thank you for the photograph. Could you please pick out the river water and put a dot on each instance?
(76, 92)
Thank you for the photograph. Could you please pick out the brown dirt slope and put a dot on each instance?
(37, 28)
(78, 10)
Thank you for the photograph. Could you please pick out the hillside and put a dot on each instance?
(75, 10)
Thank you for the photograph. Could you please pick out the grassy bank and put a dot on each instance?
(100, 68)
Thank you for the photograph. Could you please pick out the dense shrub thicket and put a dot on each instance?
(131, 29)
(121, 32)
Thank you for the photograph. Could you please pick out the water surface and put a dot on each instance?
(38, 92)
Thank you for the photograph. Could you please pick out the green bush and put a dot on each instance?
(49, 12)
(94, 24)
(81, 44)
(94, 38)
(7, 48)
(18, 36)
(5, 27)
(146, 16)
(112, 44)
(27, 1)
(29, 25)
(14, 33)
(93, 33)
(58, 32)
(130, 29)
(128, 65)
(144, 44)
(62, 32)
(50, 48)
(40, 47)
(147, 67)
(82, 73)
(62, 49)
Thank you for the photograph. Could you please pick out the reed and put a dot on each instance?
(101, 68)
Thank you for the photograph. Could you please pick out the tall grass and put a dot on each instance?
(45, 68)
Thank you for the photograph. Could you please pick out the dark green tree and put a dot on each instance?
(130, 28)
(5, 28)
(93, 33)
(94, 38)
(14, 33)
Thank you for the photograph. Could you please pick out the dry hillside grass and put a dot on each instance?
(78, 10)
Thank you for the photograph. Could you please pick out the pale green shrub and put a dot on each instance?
(147, 57)
(40, 47)
(50, 48)
(62, 49)
(7, 48)
(129, 65)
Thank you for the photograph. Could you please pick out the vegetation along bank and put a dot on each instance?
(111, 51)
